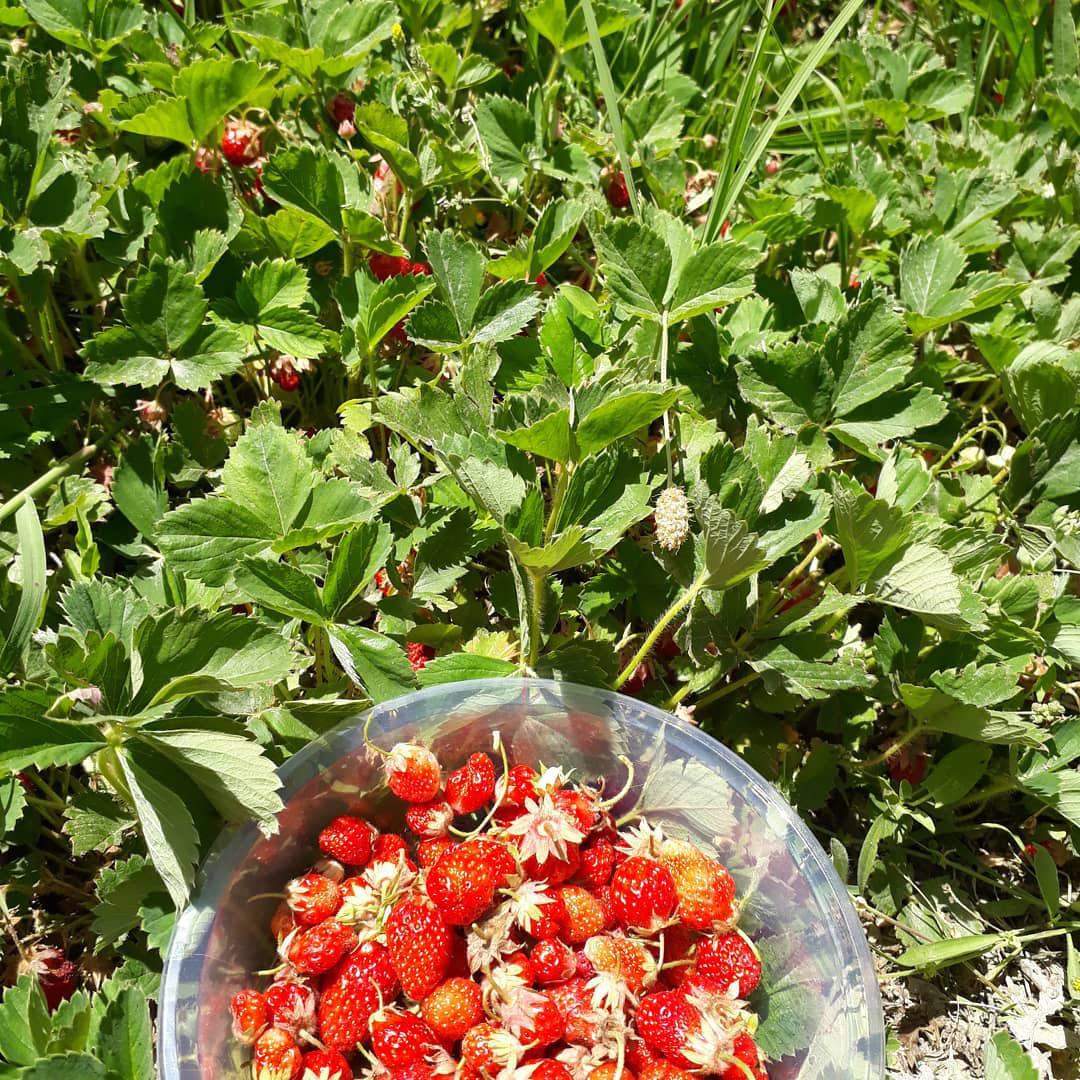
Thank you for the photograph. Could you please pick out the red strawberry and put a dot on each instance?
(618, 195)
(462, 883)
(533, 1018)
(389, 847)
(388, 266)
(240, 143)
(597, 862)
(418, 654)
(581, 916)
(472, 786)
(488, 1049)
(430, 850)
(453, 1007)
(853, 280)
(56, 974)
(399, 1037)
(744, 1050)
(520, 784)
(320, 947)
(909, 764)
(291, 1005)
(499, 856)
(665, 1020)
(382, 583)
(420, 945)
(312, 898)
(325, 1065)
(607, 906)
(249, 1016)
(341, 106)
(661, 1069)
(573, 999)
(609, 1070)
(729, 960)
(550, 1069)
(678, 944)
(430, 819)
(552, 961)
(352, 992)
(348, 839)
(625, 961)
(576, 805)
(283, 922)
(644, 894)
(413, 773)
(276, 1056)
(705, 889)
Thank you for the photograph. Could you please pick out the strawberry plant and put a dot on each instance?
(720, 354)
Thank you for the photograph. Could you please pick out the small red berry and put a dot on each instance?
(618, 195)
(419, 654)
(241, 143)
(472, 786)
(348, 839)
(341, 107)
(326, 1065)
(413, 773)
(250, 1016)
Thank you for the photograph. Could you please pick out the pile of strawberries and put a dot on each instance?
(515, 935)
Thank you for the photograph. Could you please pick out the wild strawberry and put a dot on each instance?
(745, 1051)
(317, 949)
(704, 887)
(618, 195)
(430, 850)
(382, 583)
(325, 1065)
(419, 654)
(552, 961)
(284, 373)
(548, 839)
(677, 943)
(399, 1037)
(608, 909)
(472, 786)
(462, 883)
(853, 280)
(453, 1007)
(533, 1018)
(250, 1016)
(341, 106)
(389, 847)
(581, 916)
(56, 974)
(548, 1069)
(429, 819)
(500, 858)
(207, 161)
(488, 1049)
(597, 862)
(313, 898)
(577, 805)
(420, 944)
(665, 1020)
(241, 143)
(348, 839)
(387, 266)
(730, 961)
(644, 894)
(351, 994)
(520, 785)
(908, 763)
(276, 1056)
(662, 1069)
(283, 922)
(584, 1023)
(291, 1005)
(620, 962)
(413, 773)
(772, 166)
(609, 1070)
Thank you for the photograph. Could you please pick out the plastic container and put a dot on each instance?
(819, 1002)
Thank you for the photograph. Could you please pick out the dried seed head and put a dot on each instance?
(672, 518)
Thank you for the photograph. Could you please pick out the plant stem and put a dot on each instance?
(663, 384)
(536, 588)
(682, 602)
(74, 463)
(730, 688)
(557, 501)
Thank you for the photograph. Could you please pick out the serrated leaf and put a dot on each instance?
(636, 264)
(870, 531)
(503, 311)
(65, 1067)
(955, 774)
(24, 1022)
(121, 889)
(165, 306)
(1005, 1059)
(26, 741)
(373, 661)
(921, 579)
(619, 415)
(357, 558)
(714, 275)
(307, 179)
(506, 130)
(33, 585)
(206, 537)
(455, 667)
(95, 822)
(458, 266)
(124, 1038)
(12, 804)
(939, 712)
(727, 551)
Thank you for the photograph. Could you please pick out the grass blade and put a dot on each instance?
(611, 102)
(32, 595)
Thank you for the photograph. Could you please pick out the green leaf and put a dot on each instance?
(1005, 1059)
(280, 587)
(271, 284)
(124, 1038)
(373, 661)
(456, 667)
(357, 558)
(939, 712)
(869, 530)
(957, 773)
(95, 821)
(12, 804)
(880, 829)
(33, 584)
(1059, 789)
(503, 311)
(715, 275)
(307, 179)
(165, 306)
(726, 552)
(334, 507)
(138, 490)
(559, 221)
(938, 954)
(27, 740)
(549, 437)
(24, 1022)
(1065, 54)
(1046, 874)
(65, 1067)
(929, 267)
(921, 579)
(621, 414)
(388, 133)
(370, 309)
(869, 354)
(269, 472)
(206, 538)
(636, 264)
(231, 771)
(211, 89)
(458, 267)
(507, 131)
(122, 888)
(167, 828)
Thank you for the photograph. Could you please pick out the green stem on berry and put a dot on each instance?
(684, 600)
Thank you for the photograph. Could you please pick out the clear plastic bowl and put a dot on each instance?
(819, 1004)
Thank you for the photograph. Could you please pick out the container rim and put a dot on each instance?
(240, 837)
